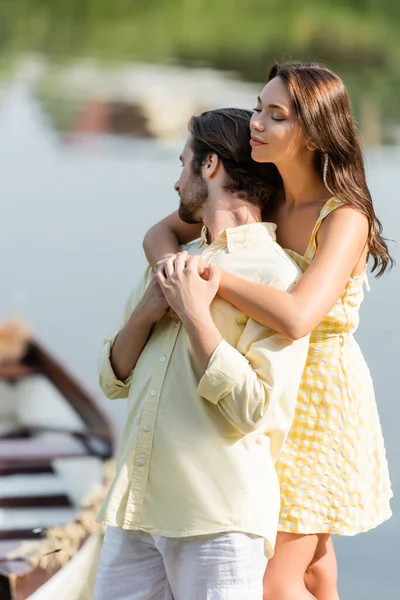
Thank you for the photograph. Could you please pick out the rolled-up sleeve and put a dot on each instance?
(112, 387)
(256, 384)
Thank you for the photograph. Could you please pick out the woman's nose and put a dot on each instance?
(257, 125)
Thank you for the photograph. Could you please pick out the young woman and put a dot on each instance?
(333, 471)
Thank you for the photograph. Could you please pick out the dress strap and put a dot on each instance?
(328, 207)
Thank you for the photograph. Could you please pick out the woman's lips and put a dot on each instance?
(256, 142)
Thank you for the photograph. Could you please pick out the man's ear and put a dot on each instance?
(210, 166)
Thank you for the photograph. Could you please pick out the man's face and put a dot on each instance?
(192, 189)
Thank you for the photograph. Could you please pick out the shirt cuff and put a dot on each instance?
(223, 373)
(107, 374)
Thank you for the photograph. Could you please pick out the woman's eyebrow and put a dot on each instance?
(274, 106)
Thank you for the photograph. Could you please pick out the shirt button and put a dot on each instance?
(146, 428)
(175, 323)
(141, 463)
(163, 359)
(153, 393)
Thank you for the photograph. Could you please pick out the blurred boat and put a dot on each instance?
(54, 448)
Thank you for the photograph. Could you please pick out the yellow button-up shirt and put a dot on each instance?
(197, 453)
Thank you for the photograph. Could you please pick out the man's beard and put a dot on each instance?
(193, 199)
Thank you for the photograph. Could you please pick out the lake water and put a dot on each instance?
(73, 215)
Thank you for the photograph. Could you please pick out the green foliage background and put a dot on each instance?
(358, 38)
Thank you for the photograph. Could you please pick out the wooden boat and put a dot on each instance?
(54, 448)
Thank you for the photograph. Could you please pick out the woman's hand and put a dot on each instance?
(187, 293)
(203, 267)
(203, 270)
(160, 266)
(166, 264)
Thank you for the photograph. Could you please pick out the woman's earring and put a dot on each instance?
(325, 171)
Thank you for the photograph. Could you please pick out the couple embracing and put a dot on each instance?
(252, 432)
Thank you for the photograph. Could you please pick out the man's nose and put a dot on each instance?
(176, 186)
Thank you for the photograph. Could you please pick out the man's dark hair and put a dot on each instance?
(226, 133)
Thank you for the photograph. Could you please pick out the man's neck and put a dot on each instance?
(229, 212)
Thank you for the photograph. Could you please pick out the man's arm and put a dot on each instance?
(132, 338)
(121, 351)
(255, 385)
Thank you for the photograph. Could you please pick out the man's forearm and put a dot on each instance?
(129, 343)
(204, 337)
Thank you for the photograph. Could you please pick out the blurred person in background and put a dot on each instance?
(333, 471)
(193, 509)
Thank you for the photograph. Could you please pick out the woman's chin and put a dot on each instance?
(258, 154)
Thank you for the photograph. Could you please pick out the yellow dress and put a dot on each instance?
(333, 471)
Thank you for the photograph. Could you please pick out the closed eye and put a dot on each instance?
(257, 110)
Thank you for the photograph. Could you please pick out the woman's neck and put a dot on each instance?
(302, 184)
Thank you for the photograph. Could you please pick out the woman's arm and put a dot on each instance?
(164, 238)
(341, 242)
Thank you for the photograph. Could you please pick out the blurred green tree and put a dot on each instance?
(358, 38)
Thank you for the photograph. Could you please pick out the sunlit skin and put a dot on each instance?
(277, 137)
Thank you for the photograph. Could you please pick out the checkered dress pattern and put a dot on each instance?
(333, 471)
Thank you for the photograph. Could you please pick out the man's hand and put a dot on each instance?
(153, 304)
(186, 292)
(190, 297)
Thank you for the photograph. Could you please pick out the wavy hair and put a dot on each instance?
(324, 112)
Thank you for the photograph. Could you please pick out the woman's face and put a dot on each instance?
(276, 135)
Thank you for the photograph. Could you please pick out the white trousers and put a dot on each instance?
(135, 565)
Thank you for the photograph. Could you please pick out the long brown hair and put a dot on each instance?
(323, 108)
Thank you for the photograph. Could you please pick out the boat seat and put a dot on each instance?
(22, 468)
(34, 501)
(20, 534)
(40, 449)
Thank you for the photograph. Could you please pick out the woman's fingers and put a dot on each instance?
(180, 263)
(169, 267)
(183, 262)
(192, 264)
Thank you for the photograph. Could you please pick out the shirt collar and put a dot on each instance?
(203, 236)
(237, 237)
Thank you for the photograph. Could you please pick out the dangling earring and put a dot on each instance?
(325, 171)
